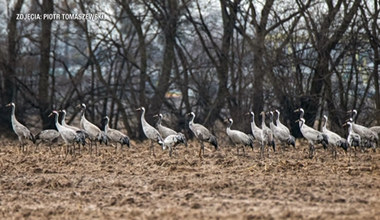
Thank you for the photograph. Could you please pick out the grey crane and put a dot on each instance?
(353, 139)
(376, 129)
(115, 135)
(150, 132)
(83, 135)
(291, 140)
(369, 138)
(280, 133)
(313, 136)
(279, 124)
(239, 138)
(48, 136)
(69, 136)
(268, 134)
(21, 131)
(164, 131)
(257, 134)
(94, 133)
(334, 139)
(202, 134)
(173, 140)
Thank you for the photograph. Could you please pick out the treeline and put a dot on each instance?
(216, 58)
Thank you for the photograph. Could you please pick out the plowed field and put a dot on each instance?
(132, 184)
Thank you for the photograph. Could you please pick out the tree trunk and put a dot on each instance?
(169, 27)
(43, 85)
(9, 87)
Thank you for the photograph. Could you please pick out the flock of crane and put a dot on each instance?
(266, 136)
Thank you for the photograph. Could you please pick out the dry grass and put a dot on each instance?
(131, 184)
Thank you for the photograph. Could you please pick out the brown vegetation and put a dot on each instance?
(132, 184)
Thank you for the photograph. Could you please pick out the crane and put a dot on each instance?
(47, 136)
(94, 133)
(173, 140)
(21, 131)
(268, 134)
(280, 133)
(150, 132)
(238, 138)
(69, 136)
(290, 140)
(334, 139)
(353, 138)
(257, 134)
(202, 134)
(368, 137)
(313, 136)
(79, 131)
(115, 135)
(165, 131)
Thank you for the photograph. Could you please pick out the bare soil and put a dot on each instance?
(132, 184)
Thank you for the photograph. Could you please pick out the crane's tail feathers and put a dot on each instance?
(344, 145)
(251, 140)
(291, 141)
(32, 138)
(212, 140)
(125, 140)
(81, 137)
(273, 144)
(102, 138)
(324, 140)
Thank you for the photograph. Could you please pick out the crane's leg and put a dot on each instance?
(311, 150)
(152, 148)
(200, 149)
(170, 150)
(96, 148)
(66, 150)
(35, 148)
(243, 150)
(262, 150)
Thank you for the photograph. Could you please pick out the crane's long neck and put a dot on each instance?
(300, 123)
(63, 121)
(354, 114)
(143, 121)
(192, 120)
(302, 114)
(59, 126)
(253, 124)
(278, 118)
(263, 121)
(13, 116)
(159, 120)
(229, 125)
(349, 129)
(106, 126)
(324, 125)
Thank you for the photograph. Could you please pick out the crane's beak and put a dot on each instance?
(138, 109)
(344, 125)
(297, 110)
(298, 120)
(155, 116)
(9, 104)
(51, 114)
